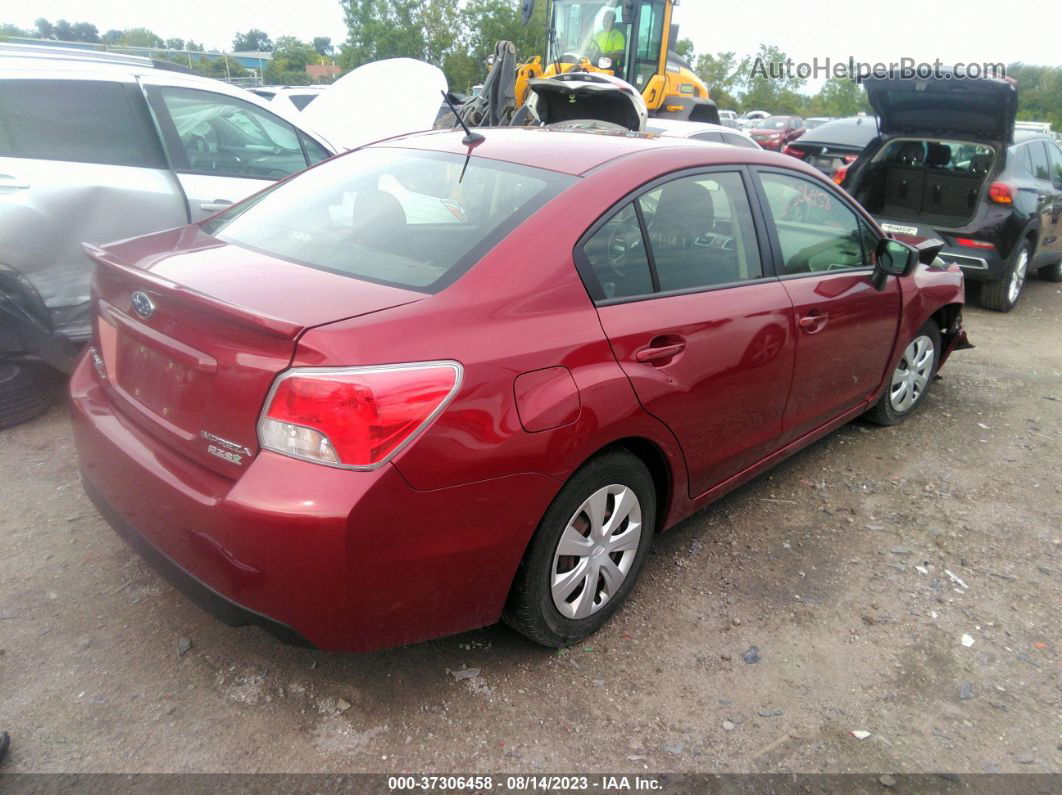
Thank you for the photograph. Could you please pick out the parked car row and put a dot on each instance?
(460, 376)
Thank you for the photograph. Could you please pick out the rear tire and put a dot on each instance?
(586, 553)
(1051, 273)
(1002, 295)
(25, 391)
(911, 380)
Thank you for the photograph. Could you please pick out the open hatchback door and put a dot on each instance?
(945, 105)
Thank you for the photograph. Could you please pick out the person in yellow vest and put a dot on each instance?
(609, 41)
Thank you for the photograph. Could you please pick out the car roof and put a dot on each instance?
(575, 152)
(1022, 135)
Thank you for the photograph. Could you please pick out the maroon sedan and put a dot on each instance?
(775, 132)
(424, 386)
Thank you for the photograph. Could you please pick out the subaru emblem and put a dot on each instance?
(142, 304)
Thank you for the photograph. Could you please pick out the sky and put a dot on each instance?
(949, 30)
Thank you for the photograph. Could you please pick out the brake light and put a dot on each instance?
(969, 242)
(1001, 193)
(794, 151)
(840, 173)
(357, 417)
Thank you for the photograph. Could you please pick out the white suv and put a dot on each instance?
(96, 147)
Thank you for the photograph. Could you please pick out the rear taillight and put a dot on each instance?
(356, 417)
(1001, 193)
(840, 173)
(969, 242)
(794, 151)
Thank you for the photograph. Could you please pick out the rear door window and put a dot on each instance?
(701, 232)
(81, 121)
(617, 256)
(222, 136)
(1040, 167)
(1055, 156)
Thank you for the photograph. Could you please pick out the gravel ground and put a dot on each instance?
(904, 582)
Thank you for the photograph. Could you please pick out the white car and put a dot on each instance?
(700, 131)
(97, 146)
(290, 98)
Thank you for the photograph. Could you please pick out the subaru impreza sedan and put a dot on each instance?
(359, 428)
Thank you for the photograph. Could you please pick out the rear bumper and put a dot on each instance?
(978, 265)
(337, 559)
(218, 605)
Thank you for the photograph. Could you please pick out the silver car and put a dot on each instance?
(96, 147)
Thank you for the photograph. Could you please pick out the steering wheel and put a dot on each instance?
(624, 239)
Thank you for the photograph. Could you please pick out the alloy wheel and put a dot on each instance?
(1017, 277)
(596, 551)
(912, 374)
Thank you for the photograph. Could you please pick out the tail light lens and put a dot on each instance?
(840, 173)
(794, 151)
(1001, 193)
(357, 417)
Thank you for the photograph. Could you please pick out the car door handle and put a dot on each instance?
(659, 352)
(216, 205)
(813, 321)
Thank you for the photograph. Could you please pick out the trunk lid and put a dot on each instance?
(192, 331)
(944, 105)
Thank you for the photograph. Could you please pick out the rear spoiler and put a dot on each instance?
(273, 326)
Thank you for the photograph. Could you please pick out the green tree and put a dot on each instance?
(140, 37)
(1039, 93)
(683, 48)
(839, 97)
(45, 29)
(290, 57)
(174, 44)
(323, 45)
(85, 31)
(62, 30)
(7, 29)
(112, 36)
(770, 85)
(220, 68)
(254, 40)
(724, 74)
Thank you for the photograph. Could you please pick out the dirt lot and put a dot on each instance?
(836, 567)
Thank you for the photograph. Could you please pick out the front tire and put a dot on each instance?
(586, 553)
(1002, 295)
(911, 379)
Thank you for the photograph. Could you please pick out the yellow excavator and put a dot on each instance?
(629, 39)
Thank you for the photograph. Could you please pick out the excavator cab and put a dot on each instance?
(629, 39)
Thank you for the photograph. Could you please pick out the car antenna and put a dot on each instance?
(471, 138)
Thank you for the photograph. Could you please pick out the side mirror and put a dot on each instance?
(628, 11)
(527, 9)
(894, 258)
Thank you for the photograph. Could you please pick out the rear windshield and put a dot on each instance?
(406, 218)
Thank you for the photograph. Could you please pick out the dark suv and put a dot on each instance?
(949, 165)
